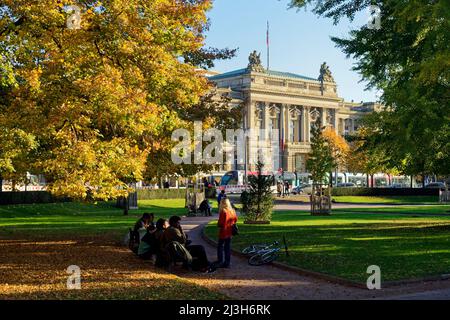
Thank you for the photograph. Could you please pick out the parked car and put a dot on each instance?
(397, 185)
(435, 185)
(302, 189)
(295, 190)
(346, 185)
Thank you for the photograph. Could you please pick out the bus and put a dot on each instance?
(234, 181)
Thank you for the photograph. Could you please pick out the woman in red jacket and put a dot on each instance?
(227, 218)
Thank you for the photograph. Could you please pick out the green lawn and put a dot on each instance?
(80, 218)
(403, 210)
(388, 199)
(403, 244)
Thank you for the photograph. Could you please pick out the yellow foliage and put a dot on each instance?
(98, 99)
(339, 146)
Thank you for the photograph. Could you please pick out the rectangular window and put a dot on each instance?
(292, 131)
(297, 130)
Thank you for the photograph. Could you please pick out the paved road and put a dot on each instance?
(443, 294)
(270, 283)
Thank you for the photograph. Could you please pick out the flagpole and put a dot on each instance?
(268, 46)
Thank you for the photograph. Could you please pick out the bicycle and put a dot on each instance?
(262, 253)
(255, 248)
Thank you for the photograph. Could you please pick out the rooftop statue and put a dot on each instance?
(325, 73)
(254, 62)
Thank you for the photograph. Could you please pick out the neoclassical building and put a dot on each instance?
(290, 103)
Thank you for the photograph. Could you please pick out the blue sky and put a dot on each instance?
(299, 40)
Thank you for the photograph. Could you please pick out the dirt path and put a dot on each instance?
(270, 283)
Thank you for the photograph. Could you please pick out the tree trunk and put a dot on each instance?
(412, 177)
(1, 183)
(126, 206)
(423, 181)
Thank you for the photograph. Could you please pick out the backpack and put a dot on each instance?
(234, 230)
(133, 243)
(178, 253)
(150, 239)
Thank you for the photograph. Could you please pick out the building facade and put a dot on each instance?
(290, 103)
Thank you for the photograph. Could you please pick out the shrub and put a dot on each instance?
(29, 197)
(211, 193)
(257, 201)
(379, 192)
(146, 194)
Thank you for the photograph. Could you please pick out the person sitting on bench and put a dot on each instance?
(161, 255)
(143, 224)
(205, 208)
(195, 257)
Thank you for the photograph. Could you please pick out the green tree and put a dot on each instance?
(365, 158)
(408, 59)
(320, 160)
(257, 201)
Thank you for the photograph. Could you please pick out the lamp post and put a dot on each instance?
(296, 177)
(245, 149)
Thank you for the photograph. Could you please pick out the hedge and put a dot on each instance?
(152, 194)
(28, 197)
(147, 194)
(374, 192)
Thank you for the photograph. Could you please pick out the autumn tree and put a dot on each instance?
(339, 149)
(213, 111)
(95, 101)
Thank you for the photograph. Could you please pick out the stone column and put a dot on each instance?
(287, 131)
(266, 147)
(306, 127)
(324, 117)
(251, 108)
(336, 122)
(266, 119)
(304, 112)
(249, 139)
(341, 126)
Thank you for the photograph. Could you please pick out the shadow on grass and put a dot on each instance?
(345, 245)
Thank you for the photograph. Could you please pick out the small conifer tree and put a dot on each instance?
(257, 200)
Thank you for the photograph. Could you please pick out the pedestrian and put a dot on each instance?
(220, 197)
(226, 224)
(279, 189)
(287, 188)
